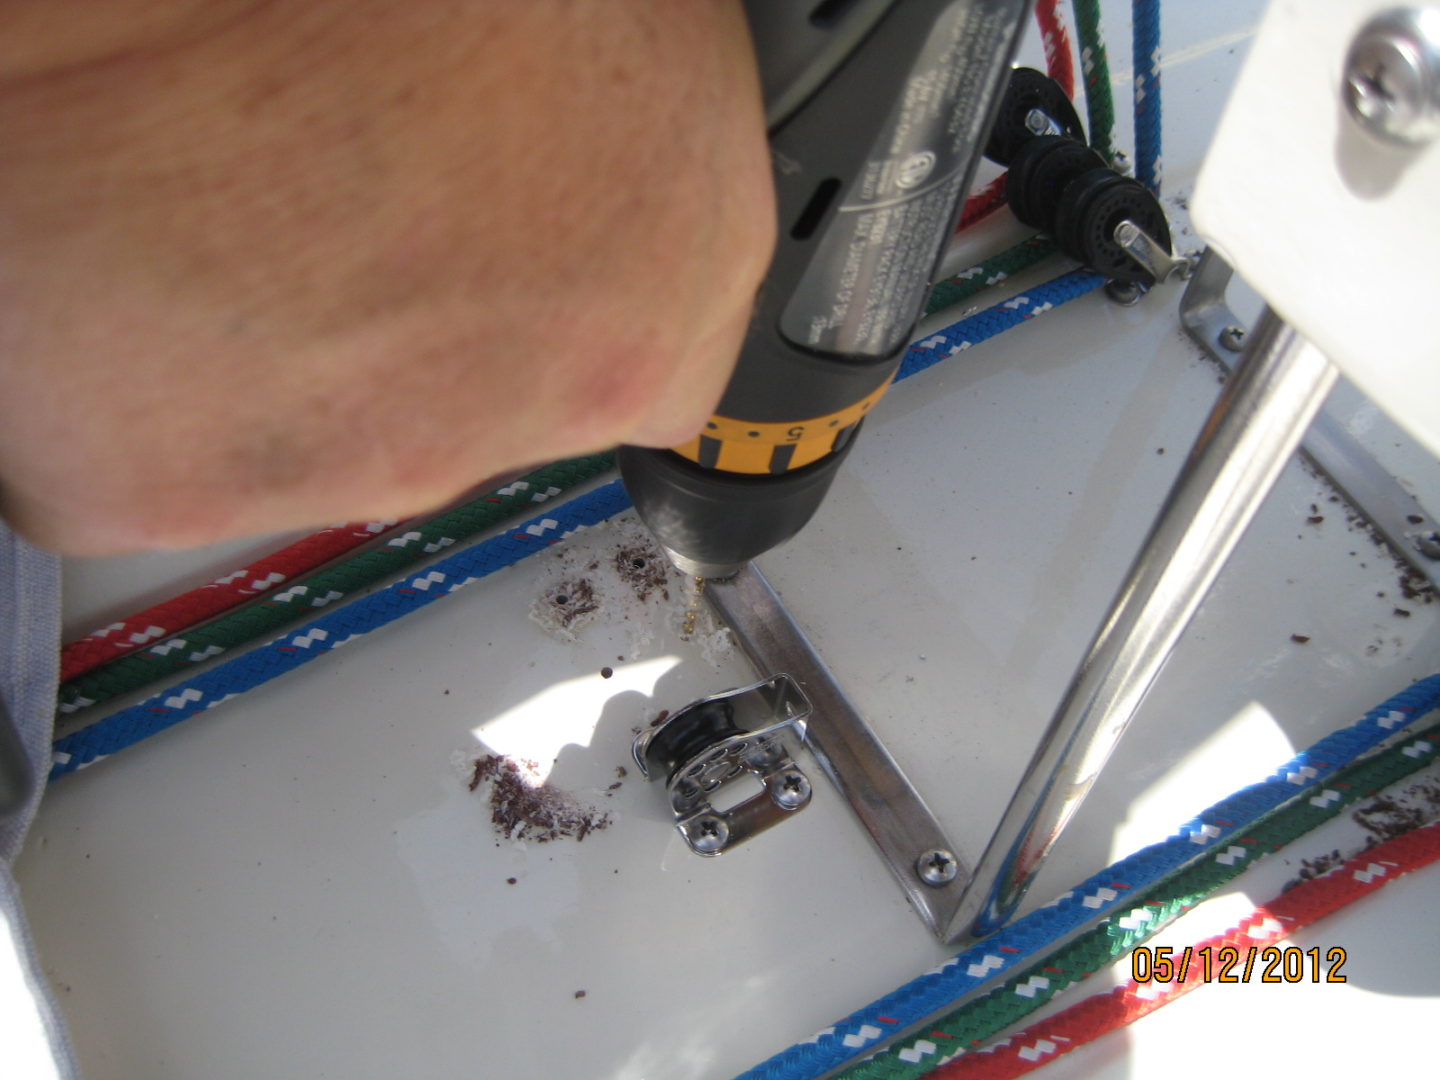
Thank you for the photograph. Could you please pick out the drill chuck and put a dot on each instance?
(878, 112)
(711, 522)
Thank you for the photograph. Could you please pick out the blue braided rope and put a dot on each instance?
(184, 700)
(339, 627)
(1028, 937)
(984, 325)
(1145, 47)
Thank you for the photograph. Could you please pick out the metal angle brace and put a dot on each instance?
(1378, 497)
(909, 838)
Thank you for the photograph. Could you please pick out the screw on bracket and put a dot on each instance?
(792, 791)
(1428, 544)
(709, 834)
(937, 867)
(1232, 338)
(1125, 293)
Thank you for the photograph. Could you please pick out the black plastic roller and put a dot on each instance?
(688, 734)
(1039, 173)
(1089, 210)
(1029, 91)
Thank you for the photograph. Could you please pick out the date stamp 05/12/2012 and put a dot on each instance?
(1233, 964)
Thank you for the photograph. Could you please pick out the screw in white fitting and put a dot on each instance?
(1392, 76)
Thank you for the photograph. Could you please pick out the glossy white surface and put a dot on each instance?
(1289, 155)
(300, 885)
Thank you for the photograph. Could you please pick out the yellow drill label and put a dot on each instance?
(744, 446)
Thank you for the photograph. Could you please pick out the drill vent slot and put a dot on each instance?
(828, 12)
(814, 212)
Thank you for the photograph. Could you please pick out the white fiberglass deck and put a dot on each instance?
(301, 885)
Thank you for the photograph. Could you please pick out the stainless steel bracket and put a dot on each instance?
(720, 739)
(909, 837)
(1329, 448)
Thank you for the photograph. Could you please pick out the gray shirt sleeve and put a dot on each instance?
(32, 1029)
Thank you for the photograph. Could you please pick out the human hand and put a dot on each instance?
(268, 265)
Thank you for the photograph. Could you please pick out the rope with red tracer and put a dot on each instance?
(1101, 1014)
(1060, 65)
(189, 609)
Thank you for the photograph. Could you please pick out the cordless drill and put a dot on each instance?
(877, 112)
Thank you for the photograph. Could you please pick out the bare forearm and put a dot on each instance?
(311, 261)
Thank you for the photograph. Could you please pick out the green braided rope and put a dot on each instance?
(292, 604)
(1100, 107)
(983, 1017)
(993, 270)
(1095, 71)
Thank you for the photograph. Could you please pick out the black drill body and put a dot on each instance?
(878, 111)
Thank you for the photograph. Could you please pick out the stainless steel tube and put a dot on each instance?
(1279, 384)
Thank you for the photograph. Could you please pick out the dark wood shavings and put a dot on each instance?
(1414, 585)
(644, 568)
(579, 994)
(1300, 639)
(569, 601)
(1402, 612)
(1313, 868)
(1385, 818)
(523, 810)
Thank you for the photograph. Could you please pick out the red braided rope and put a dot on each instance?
(1059, 57)
(1060, 64)
(983, 203)
(181, 612)
(1101, 1014)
